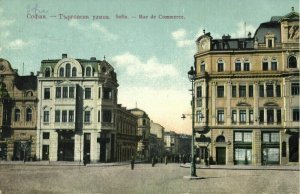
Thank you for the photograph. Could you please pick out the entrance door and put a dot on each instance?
(45, 154)
(22, 150)
(221, 155)
(65, 146)
(3, 151)
(294, 148)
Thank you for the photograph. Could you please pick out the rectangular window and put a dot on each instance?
(46, 116)
(274, 65)
(107, 93)
(278, 91)
(278, 116)
(202, 68)
(246, 66)
(296, 116)
(247, 137)
(199, 91)
(87, 93)
(46, 135)
(270, 137)
(295, 88)
(46, 93)
(233, 116)
(198, 116)
(220, 91)
(251, 116)
(265, 66)
(238, 66)
(199, 102)
(220, 67)
(107, 116)
(71, 92)
(261, 116)
(250, 90)
(221, 116)
(270, 91)
(65, 92)
(242, 116)
(261, 91)
(64, 116)
(270, 116)
(71, 116)
(87, 116)
(58, 92)
(57, 116)
(233, 91)
(240, 136)
(242, 91)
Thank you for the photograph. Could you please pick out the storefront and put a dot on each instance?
(243, 147)
(270, 152)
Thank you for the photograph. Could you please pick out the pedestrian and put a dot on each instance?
(84, 160)
(132, 162)
(153, 161)
(166, 160)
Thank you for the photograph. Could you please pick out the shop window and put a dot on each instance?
(243, 136)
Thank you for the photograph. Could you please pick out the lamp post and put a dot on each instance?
(191, 76)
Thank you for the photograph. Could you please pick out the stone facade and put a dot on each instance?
(126, 129)
(76, 110)
(158, 139)
(18, 108)
(247, 95)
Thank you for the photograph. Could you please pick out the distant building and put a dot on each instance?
(171, 143)
(184, 144)
(158, 130)
(76, 110)
(247, 95)
(126, 131)
(143, 133)
(18, 108)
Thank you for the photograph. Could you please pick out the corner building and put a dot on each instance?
(77, 101)
(247, 95)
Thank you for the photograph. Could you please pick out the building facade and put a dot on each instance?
(76, 110)
(142, 133)
(126, 131)
(158, 139)
(18, 107)
(247, 95)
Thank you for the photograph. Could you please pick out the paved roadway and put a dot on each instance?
(144, 179)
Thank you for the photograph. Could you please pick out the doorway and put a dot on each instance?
(294, 148)
(221, 156)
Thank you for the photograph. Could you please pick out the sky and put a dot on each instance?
(150, 54)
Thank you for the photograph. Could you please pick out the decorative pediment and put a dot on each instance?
(243, 104)
(270, 104)
(64, 83)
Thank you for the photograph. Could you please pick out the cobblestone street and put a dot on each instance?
(162, 179)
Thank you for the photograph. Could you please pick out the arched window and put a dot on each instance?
(28, 114)
(47, 72)
(220, 138)
(292, 62)
(68, 70)
(74, 72)
(17, 114)
(61, 72)
(88, 72)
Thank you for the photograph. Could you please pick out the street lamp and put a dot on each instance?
(191, 76)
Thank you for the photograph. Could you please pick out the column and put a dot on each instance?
(265, 116)
(78, 147)
(255, 104)
(94, 153)
(213, 104)
(228, 105)
(53, 146)
(275, 116)
(256, 147)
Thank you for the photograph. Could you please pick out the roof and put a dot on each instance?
(26, 82)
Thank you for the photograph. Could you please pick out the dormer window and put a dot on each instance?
(47, 72)
(270, 40)
(74, 72)
(61, 72)
(88, 72)
(68, 70)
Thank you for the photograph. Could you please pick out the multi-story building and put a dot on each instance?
(126, 131)
(171, 143)
(247, 95)
(158, 131)
(142, 133)
(18, 104)
(76, 110)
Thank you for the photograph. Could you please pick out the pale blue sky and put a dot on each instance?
(150, 56)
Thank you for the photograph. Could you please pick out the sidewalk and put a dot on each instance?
(244, 167)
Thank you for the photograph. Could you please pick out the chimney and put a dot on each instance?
(31, 73)
(93, 59)
(64, 55)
